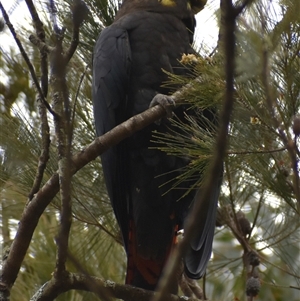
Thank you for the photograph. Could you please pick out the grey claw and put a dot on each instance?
(167, 102)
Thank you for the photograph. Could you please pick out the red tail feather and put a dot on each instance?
(144, 272)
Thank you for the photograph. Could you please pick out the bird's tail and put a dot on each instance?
(144, 272)
(200, 248)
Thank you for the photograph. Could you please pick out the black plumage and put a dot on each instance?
(147, 37)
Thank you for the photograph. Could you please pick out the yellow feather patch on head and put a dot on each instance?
(167, 2)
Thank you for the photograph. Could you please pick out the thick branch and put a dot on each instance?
(61, 105)
(97, 286)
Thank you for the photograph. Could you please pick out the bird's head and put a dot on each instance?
(157, 5)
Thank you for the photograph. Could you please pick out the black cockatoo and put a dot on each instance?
(147, 38)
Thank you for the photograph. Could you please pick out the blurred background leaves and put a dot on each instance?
(258, 177)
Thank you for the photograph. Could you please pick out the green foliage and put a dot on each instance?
(259, 173)
(95, 238)
(258, 176)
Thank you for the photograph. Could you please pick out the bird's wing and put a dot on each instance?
(200, 247)
(111, 68)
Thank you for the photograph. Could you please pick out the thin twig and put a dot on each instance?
(44, 126)
(40, 32)
(96, 223)
(78, 90)
(79, 12)
(74, 43)
(289, 143)
(76, 97)
(263, 151)
(294, 287)
(285, 271)
(26, 58)
(44, 156)
(256, 214)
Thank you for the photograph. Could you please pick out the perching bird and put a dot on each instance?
(147, 37)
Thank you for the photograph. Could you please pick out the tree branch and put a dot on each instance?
(94, 284)
(41, 45)
(238, 9)
(63, 134)
(42, 110)
(79, 13)
(39, 29)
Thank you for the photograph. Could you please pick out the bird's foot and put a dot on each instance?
(167, 102)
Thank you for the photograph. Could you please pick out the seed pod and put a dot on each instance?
(244, 223)
(252, 287)
(253, 258)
